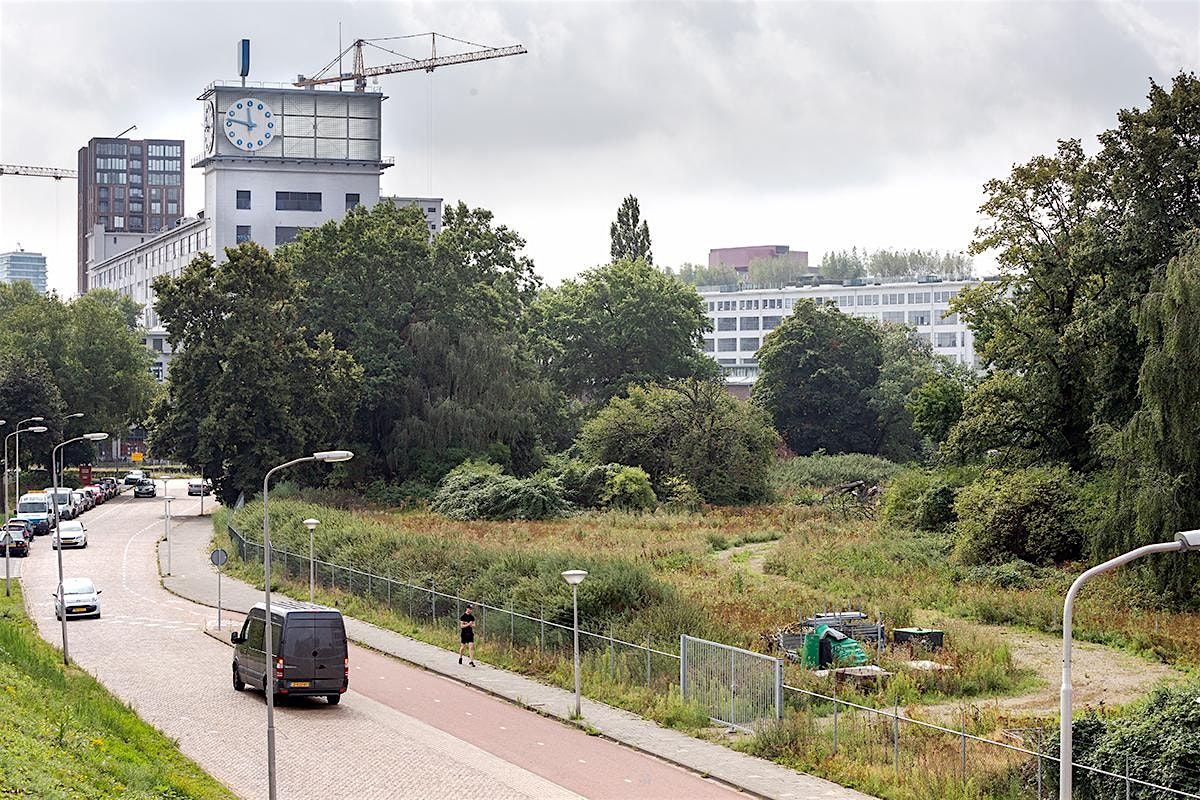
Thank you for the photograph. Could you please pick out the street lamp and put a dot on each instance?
(311, 524)
(62, 606)
(1184, 540)
(575, 577)
(17, 458)
(167, 526)
(32, 429)
(326, 456)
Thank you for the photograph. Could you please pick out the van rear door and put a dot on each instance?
(314, 650)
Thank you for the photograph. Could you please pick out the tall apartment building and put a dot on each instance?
(129, 189)
(21, 265)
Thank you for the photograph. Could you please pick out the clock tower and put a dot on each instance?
(280, 160)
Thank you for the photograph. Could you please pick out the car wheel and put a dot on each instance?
(333, 699)
(84, 545)
(238, 684)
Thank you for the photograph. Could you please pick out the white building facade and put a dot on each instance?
(741, 318)
(277, 161)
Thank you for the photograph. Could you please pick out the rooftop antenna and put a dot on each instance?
(340, 52)
(244, 60)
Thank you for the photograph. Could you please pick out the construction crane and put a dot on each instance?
(40, 172)
(409, 64)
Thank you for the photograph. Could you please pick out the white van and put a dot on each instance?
(66, 506)
(35, 507)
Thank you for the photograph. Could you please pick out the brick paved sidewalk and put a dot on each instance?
(195, 579)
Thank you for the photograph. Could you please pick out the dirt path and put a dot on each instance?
(1102, 675)
(752, 556)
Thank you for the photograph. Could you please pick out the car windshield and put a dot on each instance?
(69, 526)
(31, 507)
(78, 586)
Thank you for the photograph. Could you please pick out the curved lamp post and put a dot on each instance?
(1185, 540)
(17, 457)
(575, 577)
(269, 688)
(33, 429)
(62, 606)
(311, 524)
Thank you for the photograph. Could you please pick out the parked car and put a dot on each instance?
(24, 525)
(21, 537)
(133, 477)
(200, 487)
(80, 598)
(312, 657)
(110, 486)
(82, 501)
(69, 533)
(35, 509)
(145, 488)
(66, 507)
(97, 494)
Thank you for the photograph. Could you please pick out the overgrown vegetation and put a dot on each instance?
(64, 736)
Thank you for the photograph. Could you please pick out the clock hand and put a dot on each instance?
(249, 123)
(239, 121)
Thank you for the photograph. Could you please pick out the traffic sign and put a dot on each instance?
(135, 456)
(218, 557)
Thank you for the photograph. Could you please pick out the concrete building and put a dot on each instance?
(127, 188)
(431, 207)
(21, 265)
(740, 257)
(741, 318)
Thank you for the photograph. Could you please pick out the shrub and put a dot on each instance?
(923, 499)
(479, 490)
(629, 488)
(1030, 514)
(680, 494)
(935, 510)
(821, 470)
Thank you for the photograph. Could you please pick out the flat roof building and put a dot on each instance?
(22, 265)
(740, 257)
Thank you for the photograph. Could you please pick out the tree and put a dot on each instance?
(817, 371)
(27, 389)
(701, 275)
(630, 234)
(937, 405)
(246, 390)
(907, 363)
(841, 264)
(914, 263)
(692, 429)
(440, 329)
(621, 324)
(783, 270)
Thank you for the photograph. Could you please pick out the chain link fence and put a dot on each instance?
(740, 689)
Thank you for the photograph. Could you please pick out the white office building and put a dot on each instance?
(742, 317)
(277, 161)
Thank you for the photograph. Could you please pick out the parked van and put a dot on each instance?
(66, 505)
(308, 648)
(35, 507)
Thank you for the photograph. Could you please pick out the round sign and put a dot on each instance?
(218, 557)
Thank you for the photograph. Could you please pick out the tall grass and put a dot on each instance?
(821, 470)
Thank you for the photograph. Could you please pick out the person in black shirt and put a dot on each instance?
(466, 635)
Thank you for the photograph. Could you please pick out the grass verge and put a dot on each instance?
(64, 736)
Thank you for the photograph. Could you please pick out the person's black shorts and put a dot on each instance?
(466, 635)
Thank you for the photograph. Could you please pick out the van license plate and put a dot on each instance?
(300, 684)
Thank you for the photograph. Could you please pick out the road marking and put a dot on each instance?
(541, 744)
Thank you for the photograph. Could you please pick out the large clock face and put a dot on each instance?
(210, 122)
(249, 124)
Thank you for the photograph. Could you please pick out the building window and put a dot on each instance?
(158, 347)
(725, 324)
(243, 199)
(297, 201)
(747, 343)
(894, 316)
(868, 299)
(918, 297)
(173, 207)
(283, 235)
(948, 319)
(156, 369)
(947, 340)
(351, 200)
(103, 206)
(770, 323)
(749, 323)
(243, 233)
(119, 222)
(918, 318)
(137, 224)
(708, 348)
(156, 206)
(725, 346)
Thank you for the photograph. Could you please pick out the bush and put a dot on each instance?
(479, 490)
(680, 494)
(821, 470)
(1030, 514)
(629, 488)
(935, 510)
(923, 499)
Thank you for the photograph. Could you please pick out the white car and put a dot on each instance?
(69, 533)
(80, 597)
(197, 487)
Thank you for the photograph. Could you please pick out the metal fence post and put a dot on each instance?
(779, 689)
(433, 599)
(512, 626)
(1039, 764)
(683, 667)
(732, 690)
(1127, 784)
(896, 734)
(389, 590)
(964, 745)
(349, 580)
(612, 654)
(542, 629)
(369, 583)
(648, 652)
(836, 704)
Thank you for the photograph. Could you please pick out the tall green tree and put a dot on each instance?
(843, 264)
(27, 389)
(621, 324)
(776, 271)
(937, 405)
(704, 275)
(440, 329)
(817, 373)
(692, 429)
(630, 234)
(246, 390)
(907, 364)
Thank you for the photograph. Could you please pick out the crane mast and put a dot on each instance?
(361, 72)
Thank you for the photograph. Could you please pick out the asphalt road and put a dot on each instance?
(399, 732)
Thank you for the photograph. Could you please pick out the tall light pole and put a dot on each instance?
(1185, 540)
(167, 526)
(575, 577)
(17, 457)
(62, 606)
(269, 688)
(4, 491)
(33, 429)
(311, 524)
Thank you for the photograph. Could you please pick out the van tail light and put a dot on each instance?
(279, 667)
(346, 668)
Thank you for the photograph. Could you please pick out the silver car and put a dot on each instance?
(80, 597)
(69, 533)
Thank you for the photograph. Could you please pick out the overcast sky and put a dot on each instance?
(819, 125)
